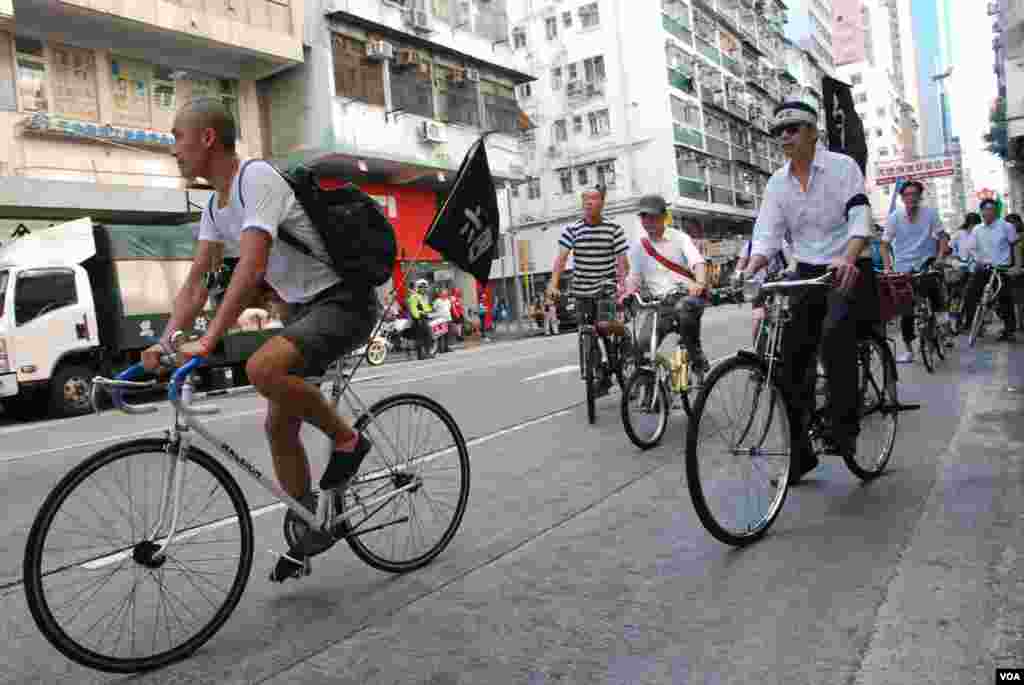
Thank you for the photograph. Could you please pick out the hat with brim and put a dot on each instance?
(792, 113)
(651, 204)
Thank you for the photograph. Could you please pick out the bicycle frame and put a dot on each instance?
(185, 422)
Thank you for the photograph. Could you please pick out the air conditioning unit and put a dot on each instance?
(433, 132)
(595, 88)
(419, 20)
(380, 50)
(472, 74)
(574, 88)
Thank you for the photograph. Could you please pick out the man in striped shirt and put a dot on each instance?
(599, 248)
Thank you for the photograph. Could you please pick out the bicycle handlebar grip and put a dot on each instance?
(132, 373)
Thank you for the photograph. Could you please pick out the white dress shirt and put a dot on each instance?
(674, 246)
(816, 218)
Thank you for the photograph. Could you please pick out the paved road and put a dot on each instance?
(580, 559)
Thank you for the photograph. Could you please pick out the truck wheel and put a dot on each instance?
(69, 391)
(27, 406)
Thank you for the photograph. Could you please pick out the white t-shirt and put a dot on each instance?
(443, 309)
(269, 204)
(674, 246)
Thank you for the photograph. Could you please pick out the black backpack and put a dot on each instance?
(359, 239)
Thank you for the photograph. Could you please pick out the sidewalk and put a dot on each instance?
(954, 610)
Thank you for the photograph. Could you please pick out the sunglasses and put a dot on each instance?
(791, 130)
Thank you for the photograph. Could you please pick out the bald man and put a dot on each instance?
(326, 317)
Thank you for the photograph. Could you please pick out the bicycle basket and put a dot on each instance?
(895, 296)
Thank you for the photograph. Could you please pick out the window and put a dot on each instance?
(606, 174)
(518, 38)
(600, 123)
(565, 178)
(457, 100)
(856, 79)
(164, 99)
(582, 177)
(354, 76)
(31, 75)
(589, 16)
(412, 90)
(551, 28)
(559, 131)
(556, 78)
(593, 69)
(515, 190)
(577, 123)
(880, 112)
(567, 19)
(74, 83)
(862, 97)
(533, 188)
(41, 291)
(878, 132)
(500, 106)
(572, 72)
(130, 86)
(525, 91)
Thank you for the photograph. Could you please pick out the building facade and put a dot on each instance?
(88, 92)
(1008, 52)
(685, 115)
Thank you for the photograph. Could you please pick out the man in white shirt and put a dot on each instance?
(912, 237)
(818, 197)
(992, 244)
(327, 317)
(677, 248)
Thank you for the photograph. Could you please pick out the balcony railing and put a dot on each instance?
(718, 147)
(708, 50)
(695, 190)
(678, 27)
(688, 136)
(738, 109)
(680, 79)
(722, 196)
(732, 65)
(740, 154)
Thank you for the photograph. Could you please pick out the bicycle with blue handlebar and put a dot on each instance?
(173, 551)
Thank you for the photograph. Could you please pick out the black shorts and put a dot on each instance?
(330, 326)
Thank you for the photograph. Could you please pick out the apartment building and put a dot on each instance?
(392, 95)
(89, 88)
(672, 99)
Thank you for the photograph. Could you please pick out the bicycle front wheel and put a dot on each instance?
(412, 488)
(92, 582)
(738, 451)
(645, 409)
(593, 356)
(926, 344)
(879, 410)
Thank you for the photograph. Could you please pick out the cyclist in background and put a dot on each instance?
(992, 243)
(599, 249)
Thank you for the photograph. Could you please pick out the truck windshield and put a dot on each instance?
(4, 275)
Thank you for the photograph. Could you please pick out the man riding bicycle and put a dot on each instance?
(326, 317)
(992, 244)
(677, 249)
(818, 196)
(916, 237)
(599, 248)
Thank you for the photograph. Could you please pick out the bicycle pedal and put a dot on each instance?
(288, 567)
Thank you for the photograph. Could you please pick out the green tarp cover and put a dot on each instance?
(151, 242)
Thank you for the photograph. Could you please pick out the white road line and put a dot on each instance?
(256, 513)
(552, 372)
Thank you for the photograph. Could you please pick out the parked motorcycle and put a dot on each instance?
(399, 334)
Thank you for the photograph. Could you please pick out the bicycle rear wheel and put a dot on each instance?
(593, 355)
(80, 594)
(432, 463)
(879, 410)
(739, 416)
(976, 323)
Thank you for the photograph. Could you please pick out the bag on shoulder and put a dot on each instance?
(895, 295)
(359, 239)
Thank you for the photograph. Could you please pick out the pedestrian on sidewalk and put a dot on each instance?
(550, 314)
(443, 309)
(458, 314)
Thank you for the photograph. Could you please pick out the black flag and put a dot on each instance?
(843, 124)
(465, 230)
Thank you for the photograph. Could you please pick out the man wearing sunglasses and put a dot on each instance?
(818, 198)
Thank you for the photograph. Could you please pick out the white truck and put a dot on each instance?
(81, 299)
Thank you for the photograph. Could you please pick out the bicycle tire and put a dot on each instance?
(887, 404)
(355, 542)
(926, 345)
(35, 594)
(645, 376)
(693, 480)
(979, 317)
(592, 354)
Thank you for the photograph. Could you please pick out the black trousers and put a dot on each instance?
(975, 287)
(684, 316)
(929, 286)
(826, 319)
(422, 328)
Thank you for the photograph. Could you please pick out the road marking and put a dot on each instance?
(117, 557)
(553, 372)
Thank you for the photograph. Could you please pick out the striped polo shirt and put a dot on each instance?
(595, 249)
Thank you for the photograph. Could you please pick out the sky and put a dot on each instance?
(927, 39)
(974, 89)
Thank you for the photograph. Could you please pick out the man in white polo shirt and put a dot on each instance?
(677, 249)
(992, 244)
